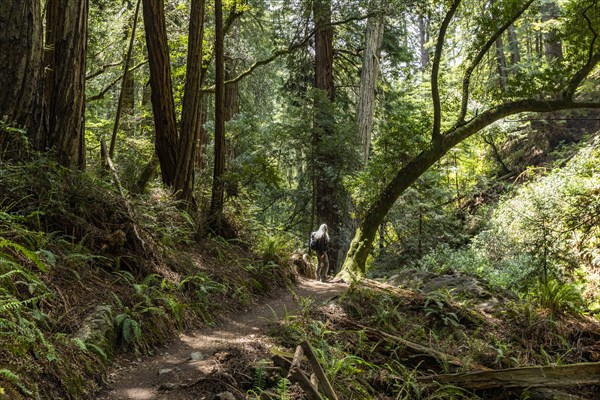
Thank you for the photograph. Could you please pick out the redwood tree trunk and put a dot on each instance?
(191, 119)
(218, 187)
(20, 64)
(163, 104)
(65, 57)
(368, 82)
(501, 65)
(329, 195)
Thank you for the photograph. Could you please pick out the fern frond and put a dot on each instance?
(98, 351)
(30, 255)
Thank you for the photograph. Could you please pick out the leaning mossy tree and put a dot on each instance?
(547, 84)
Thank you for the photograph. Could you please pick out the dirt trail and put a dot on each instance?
(201, 364)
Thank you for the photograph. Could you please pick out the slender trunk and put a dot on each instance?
(501, 66)
(423, 38)
(218, 188)
(420, 236)
(163, 104)
(124, 83)
(368, 82)
(456, 182)
(65, 57)
(191, 119)
(513, 46)
(496, 153)
(232, 106)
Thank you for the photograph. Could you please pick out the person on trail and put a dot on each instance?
(319, 242)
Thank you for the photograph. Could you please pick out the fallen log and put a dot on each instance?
(583, 374)
(415, 349)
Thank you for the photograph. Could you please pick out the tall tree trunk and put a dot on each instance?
(65, 57)
(552, 44)
(218, 188)
(501, 65)
(126, 84)
(324, 48)
(368, 82)
(513, 45)
(21, 66)
(232, 105)
(329, 192)
(191, 120)
(232, 91)
(163, 104)
(423, 38)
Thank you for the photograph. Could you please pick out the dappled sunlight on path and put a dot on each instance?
(198, 355)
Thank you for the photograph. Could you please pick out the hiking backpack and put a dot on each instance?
(313, 243)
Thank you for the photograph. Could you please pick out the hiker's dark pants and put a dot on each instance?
(322, 265)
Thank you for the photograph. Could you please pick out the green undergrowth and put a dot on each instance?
(359, 340)
(74, 253)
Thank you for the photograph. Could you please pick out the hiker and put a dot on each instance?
(319, 241)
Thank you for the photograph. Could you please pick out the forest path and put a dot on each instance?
(200, 364)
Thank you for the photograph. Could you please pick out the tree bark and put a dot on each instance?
(21, 65)
(329, 194)
(126, 92)
(552, 44)
(368, 82)
(501, 66)
(423, 38)
(65, 60)
(513, 45)
(218, 187)
(583, 374)
(163, 104)
(324, 47)
(191, 120)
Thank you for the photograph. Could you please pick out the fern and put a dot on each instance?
(99, 351)
(283, 388)
(15, 380)
(80, 344)
(9, 375)
(30, 255)
(129, 329)
(260, 376)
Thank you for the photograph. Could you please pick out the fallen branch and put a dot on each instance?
(414, 349)
(323, 382)
(296, 375)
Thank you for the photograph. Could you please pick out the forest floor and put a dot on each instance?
(201, 364)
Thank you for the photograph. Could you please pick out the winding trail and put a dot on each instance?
(173, 373)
